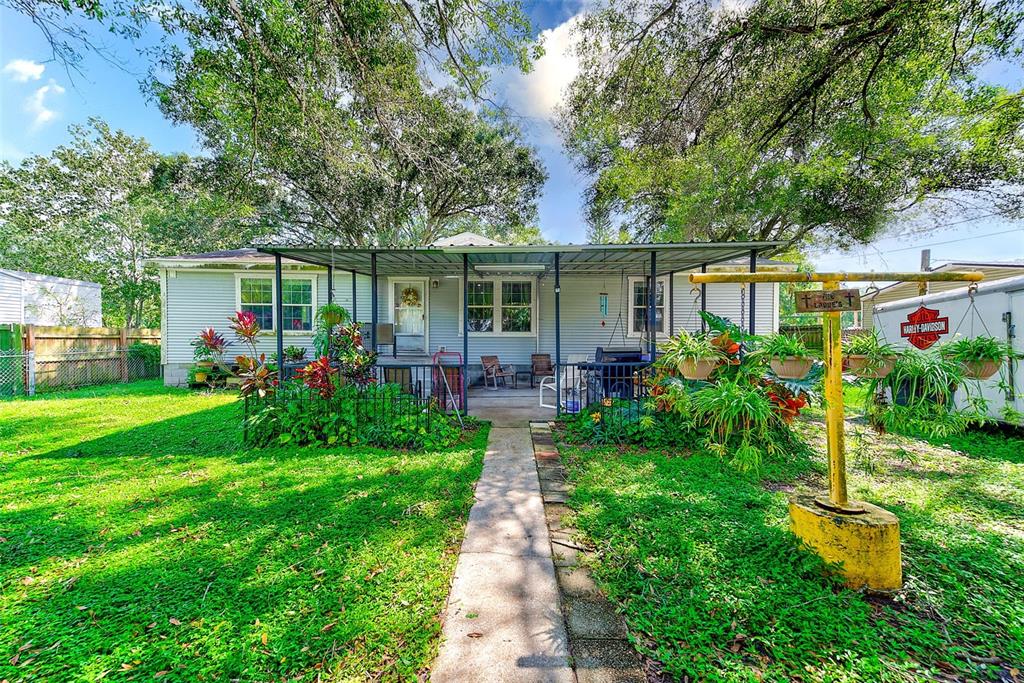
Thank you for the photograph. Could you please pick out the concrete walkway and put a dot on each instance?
(504, 621)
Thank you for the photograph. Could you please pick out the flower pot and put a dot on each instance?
(201, 377)
(862, 367)
(332, 319)
(792, 367)
(204, 364)
(697, 369)
(981, 369)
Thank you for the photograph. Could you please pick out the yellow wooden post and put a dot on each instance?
(832, 347)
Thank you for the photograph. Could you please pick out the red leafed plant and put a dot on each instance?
(213, 340)
(257, 379)
(244, 324)
(319, 376)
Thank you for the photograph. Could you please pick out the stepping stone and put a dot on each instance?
(605, 660)
(576, 582)
(592, 617)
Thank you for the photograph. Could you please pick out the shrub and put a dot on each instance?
(376, 415)
(148, 354)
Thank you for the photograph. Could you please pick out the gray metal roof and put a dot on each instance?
(574, 258)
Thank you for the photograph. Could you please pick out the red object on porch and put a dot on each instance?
(447, 365)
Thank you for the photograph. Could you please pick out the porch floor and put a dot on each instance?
(509, 407)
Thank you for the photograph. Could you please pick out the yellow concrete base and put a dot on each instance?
(867, 544)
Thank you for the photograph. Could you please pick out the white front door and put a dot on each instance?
(409, 313)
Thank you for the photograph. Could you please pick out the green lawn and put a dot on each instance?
(714, 586)
(139, 539)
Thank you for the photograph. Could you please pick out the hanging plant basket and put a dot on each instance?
(410, 297)
(204, 364)
(791, 367)
(864, 367)
(699, 369)
(980, 369)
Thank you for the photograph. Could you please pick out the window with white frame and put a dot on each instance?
(256, 296)
(638, 306)
(517, 306)
(501, 306)
(297, 304)
(480, 303)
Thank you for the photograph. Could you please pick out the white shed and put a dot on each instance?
(34, 299)
(923, 321)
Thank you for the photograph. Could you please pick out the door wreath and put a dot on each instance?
(410, 297)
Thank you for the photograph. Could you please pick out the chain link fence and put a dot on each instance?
(27, 374)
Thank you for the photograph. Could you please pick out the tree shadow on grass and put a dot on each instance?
(701, 562)
(340, 558)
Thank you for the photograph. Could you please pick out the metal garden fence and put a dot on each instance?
(411, 394)
(14, 373)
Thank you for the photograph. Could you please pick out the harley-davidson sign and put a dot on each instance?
(924, 327)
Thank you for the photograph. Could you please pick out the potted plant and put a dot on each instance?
(332, 314)
(980, 356)
(208, 347)
(200, 374)
(294, 354)
(868, 357)
(787, 356)
(695, 356)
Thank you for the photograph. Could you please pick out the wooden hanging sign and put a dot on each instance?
(826, 301)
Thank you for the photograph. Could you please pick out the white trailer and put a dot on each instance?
(925, 321)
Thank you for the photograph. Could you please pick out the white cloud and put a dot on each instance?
(24, 70)
(539, 92)
(35, 105)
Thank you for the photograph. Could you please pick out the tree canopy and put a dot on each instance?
(791, 119)
(97, 208)
(336, 104)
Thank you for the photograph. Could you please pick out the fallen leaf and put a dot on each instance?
(474, 634)
(328, 627)
(263, 638)
(158, 674)
(174, 621)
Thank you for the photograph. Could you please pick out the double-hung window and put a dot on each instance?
(501, 306)
(517, 306)
(638, 306)
(297, 303)
(480, 301)
(256, 296)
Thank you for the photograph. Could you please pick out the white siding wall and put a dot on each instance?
(58, 303)
(10, 299)
(196, 299)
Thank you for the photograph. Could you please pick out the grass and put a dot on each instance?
(714, 586)
(138, 540)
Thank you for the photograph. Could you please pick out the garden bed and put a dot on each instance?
(139, 539)
(714, 587)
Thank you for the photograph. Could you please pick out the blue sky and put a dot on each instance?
(39, 99)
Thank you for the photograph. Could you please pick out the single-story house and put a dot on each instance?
(993, 270)
(34, 299)
(466, 295)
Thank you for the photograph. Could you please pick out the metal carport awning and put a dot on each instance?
(573, 258)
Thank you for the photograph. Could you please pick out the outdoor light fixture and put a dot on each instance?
(510, 267)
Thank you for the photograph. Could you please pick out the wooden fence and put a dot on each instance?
(46, 358)
(55, 341)
(812, 335)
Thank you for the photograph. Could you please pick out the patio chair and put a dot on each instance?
(495, 372)
(540, 367)
(573, 382)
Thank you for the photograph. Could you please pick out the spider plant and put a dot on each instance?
(694, 355)
(787, 355)
(867, 356)
(737, 415)
(980, 356)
